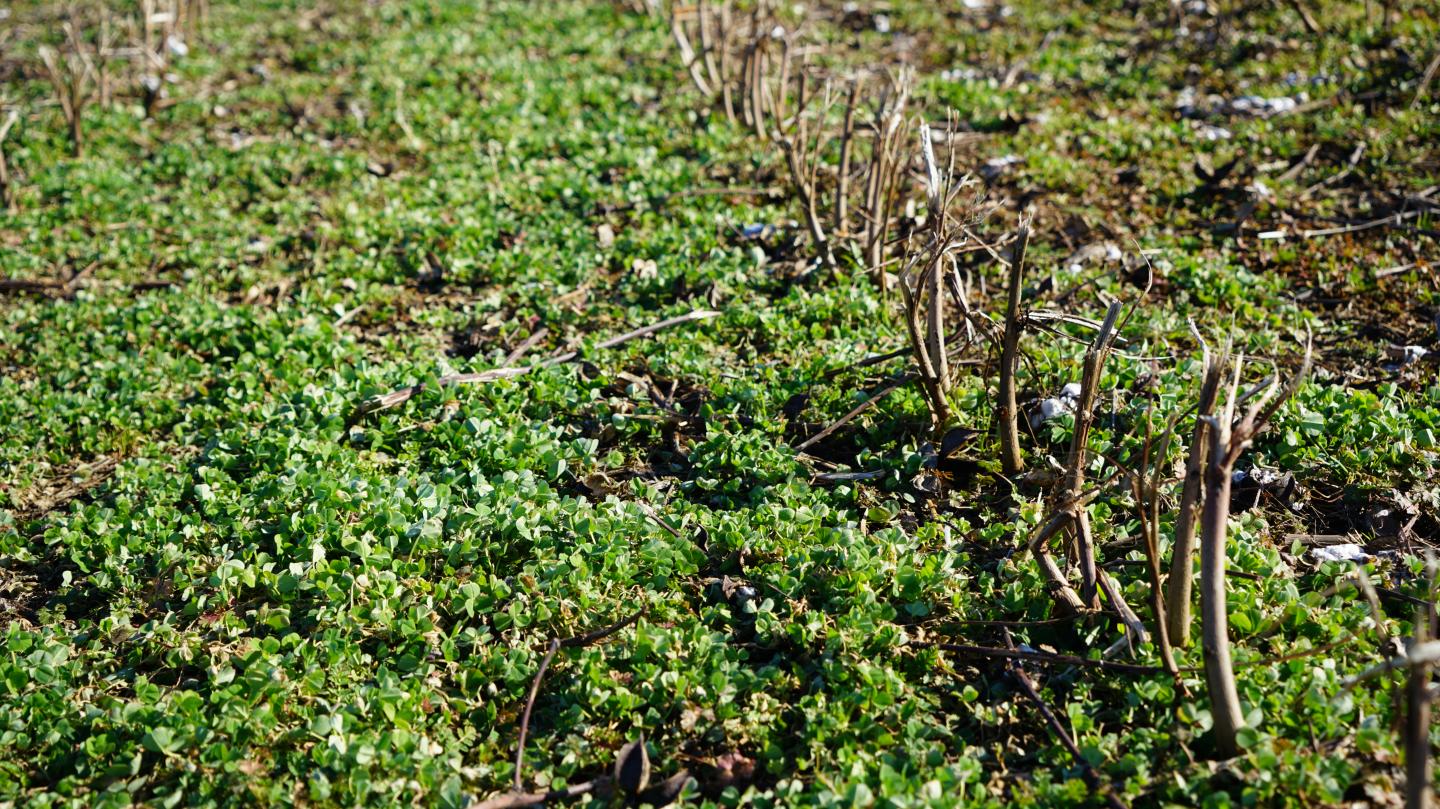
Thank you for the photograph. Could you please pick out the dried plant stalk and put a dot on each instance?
(923, 287)
(1147, 507)
(7, 192)
(1417, 721)
(1072, 511)
(753, 67)
(885, 171)
(1007, 413)
(1094, 364)
(72, 75)
(804, 156)
(841, 223)
(104, 49)
(1229, 438)
(688, 56)
(1182, 559)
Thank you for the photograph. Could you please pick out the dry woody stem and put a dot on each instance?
(1182, 561)
(1230, 436)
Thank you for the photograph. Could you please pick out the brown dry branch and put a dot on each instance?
(525, 717)
(1094, 364)
(1007, 413)
(855, 411)
(1306, 18)
(7, 189)
(925, 289)
(991, 652)
(890, 130)
(1418, 661)
(754, 75)
(1071, 509)
(841, 223)
(804, 158)
(402, 395)
(756, 69)
(1417, 721)
(1097, 785)
(104, 50)
(1061, 517)
(733, 60)
(1229, 436)
(515, 799)
(710, 26)
(1430, 70)
(1182, 559)
(193, 16)
(525, 345)
(692, 61)
(1135, 632)
(1147, 508)
(517, 796)
(72, 75)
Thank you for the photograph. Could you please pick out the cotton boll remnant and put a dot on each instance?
(962, 74)
(996, 166)
(1263, 107)
(1252, 487)
(1186, 103)
(1056, 406)
(1345, 552)
(645, 268)
(1401, 356)
(1191, 104)
(1094, 253)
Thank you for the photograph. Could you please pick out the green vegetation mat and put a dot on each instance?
(221, 585)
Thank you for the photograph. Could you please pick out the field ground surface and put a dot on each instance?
(224, 580)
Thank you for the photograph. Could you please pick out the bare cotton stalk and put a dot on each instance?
(104, 49)
(725, 60)
(1182, 559)
(7, 193)
(885, 171)
(72, 75)
(841, 223)
(1134, 627)
(1229, 438)
(1071, 511)
(706, 25)
(803, 158)
(158, 27)
(752, 77)
(1059, 585)
(192, 17)
(1417, 722)
(1075, 470)
(688, 57)
(1011, 461)
(732, 63)
(1147, 507)
(923, 289)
